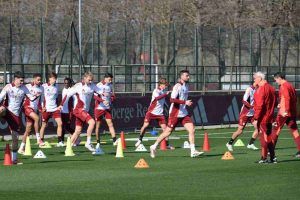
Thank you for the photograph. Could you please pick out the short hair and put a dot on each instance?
(69, 80)
(108, 75)
(37, 75)
(184, 71)
(52, 75)
(260, 74)
(86, 74)
(18, 74)
(279, 75)
(163, 81)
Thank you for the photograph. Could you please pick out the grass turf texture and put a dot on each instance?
(172, 174)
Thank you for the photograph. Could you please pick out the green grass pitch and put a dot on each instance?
(172, 174)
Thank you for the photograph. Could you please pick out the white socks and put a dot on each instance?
(88, 139)
(22, 146)
(192, 146)
(37, 136)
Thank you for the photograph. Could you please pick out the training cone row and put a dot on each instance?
(7, 156)
(69, 150)
(119, 153)
(141, 164)
(206, 146)
(227, 156)
(27, 147)
(123, 140)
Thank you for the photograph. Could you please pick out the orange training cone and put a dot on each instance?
(163, 145)
(7, 156)
(227, 156)
(141, 164)
(206, 146)
(123, 140)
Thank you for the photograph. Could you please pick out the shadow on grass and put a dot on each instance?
(290, 160)
(62, 161)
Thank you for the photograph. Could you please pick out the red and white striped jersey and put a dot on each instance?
(83, 94)
(69, 102)
(178, 97)
(103, 91)
(49, 100)
(248, 101)
(35, 90)
(157, 102)
(14, 97)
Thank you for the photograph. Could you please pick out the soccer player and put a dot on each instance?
(50, 108)
(264, 104)
(67, 109)
(103, 99)
(179, 114)
(14, 94)
(83, 93)
(287, 110)
(156, 110)
(31, 110)
(246, 115)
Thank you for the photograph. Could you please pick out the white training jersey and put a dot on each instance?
(105, 92)
(157, 102)
(50, 97)
(180, 91)
(65, 108)
(83, 94)
(14, 97)
(249, 98)
(35, 90)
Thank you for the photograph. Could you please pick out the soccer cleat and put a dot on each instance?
(89, 147)
(170, 147)
(138, 143)
(196, 153)
(60, 144)
(17, 162)
(152, 151)
(297, 155)
(21, 151)
(252, 146)
(115, 143)
(273, 161)
(98, 150)
(262, 161)
(41, 143)
(229, 147)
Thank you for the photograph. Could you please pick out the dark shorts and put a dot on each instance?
(81, 116)
(47, 115)
(173, 121)
(160, 118)
(99, 114)
(66, 118)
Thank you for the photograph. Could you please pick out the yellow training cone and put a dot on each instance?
(69, 151)
(27, 147)
(119, 153)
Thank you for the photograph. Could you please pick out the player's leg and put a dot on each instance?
(76, 134)
(189, 126)
(142, 133)
(59, 132)
(42, 132)
(163, 126)
(91, 125)
(36, 124)
(97, 130)
(25, 135)
(243, 119)
(162, 136)
(111, 129)
(267, 143)
(253, 138)
(292, 124)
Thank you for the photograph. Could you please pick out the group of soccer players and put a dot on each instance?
(34, 98)
(259, 102)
